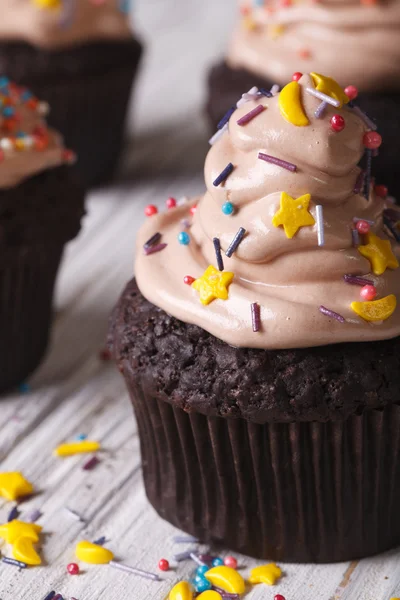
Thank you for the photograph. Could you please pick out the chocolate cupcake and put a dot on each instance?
(82, 58)
(357, 43)
(259, 342)
(40, 210)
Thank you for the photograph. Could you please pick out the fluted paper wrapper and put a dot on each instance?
(88, 90)
(298, 492)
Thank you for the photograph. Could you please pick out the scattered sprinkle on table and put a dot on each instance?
(135, 571)
(71, 448)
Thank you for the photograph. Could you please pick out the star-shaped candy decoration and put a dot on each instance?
(15, 529)
(293, 214)
(213, 284)
(379, 253)
(268, 574)
(330, 87)
(14, 485)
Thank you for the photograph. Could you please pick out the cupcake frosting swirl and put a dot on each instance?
(355, 42)
(288, 275)
(58, 23)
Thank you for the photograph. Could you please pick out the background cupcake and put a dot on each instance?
(264, 426)
(81, 57)
(356, 42)
(40, 210)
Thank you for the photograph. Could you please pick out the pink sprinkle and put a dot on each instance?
(154, 249)
(255, 317)
(250, 116)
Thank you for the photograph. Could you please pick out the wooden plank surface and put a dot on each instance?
(74, 392)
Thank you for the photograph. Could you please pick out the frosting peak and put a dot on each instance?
(280, 204)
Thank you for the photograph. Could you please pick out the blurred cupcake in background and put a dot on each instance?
(82, 58)
(41, 208)
(356, 41)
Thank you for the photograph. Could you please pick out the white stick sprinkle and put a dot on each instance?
(356, 219)
(196, 559)
(74, 514)
(218, 135)
(250, 95)
(134, 571)
(275, 89)
(323, 97)
(320, 225)
(186, 539)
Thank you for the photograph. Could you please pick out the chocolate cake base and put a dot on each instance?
(291, 455)
(226, 85)
(88, 89)
(37, 218)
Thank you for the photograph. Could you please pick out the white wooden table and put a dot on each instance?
(74, 392)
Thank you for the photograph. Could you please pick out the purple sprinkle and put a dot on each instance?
(91, 463)
(14, 563)
(224, 175)
(369, 123)
(224, 594)
(183, 556)
(390, 225)
(250, 115)
(13, 514)
(186, 539)
(355, 237)
(217, 247)
(153, 240)
(154, 249)
(355, 280)
(277, 161)
(367, 182)
(359, 184)
(186, 223)
(265, 92)
(50, 595)
(235, 242)
(331, 313)
(255, 317)
(34, 516)
(320, 109)
(206, 558)
(100, 541)
(226, 117)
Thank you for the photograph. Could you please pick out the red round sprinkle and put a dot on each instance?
(171, 202)
(381, 191)
(230, 561)
(296, 76)
(338, 123)
(193, 209)
(188, 280)
(362, 227)
(368, 292)
(104, 354)
(150, 210)
(286, 3)
(351, 92)
(163, 564)
(279, 597)
(73, 569)
(69, 156)
(372, 140)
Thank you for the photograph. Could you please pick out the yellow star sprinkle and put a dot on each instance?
(213, 284)
(379, 253)
(15, 529)
(47, 4)
(330, 87)
(267, 574)
(14, 485)
(293, 214)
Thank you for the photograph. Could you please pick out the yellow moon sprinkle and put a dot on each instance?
(93, 553)
(376, 310)
(290, 105)
(181, 591)
(227, 579)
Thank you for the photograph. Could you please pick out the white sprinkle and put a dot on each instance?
(323, 97)
(320, 225)
(74, 514)
(183, 555)
(34, 516)
(43, 108)
(275, 89)
(186, 539)
(28, 141)
(182, 201)
(252, 94)
(321, 108)
(6, 144)
(356, 219)
(196, 559)
(218, 135)
(134, 571)
(365, 118)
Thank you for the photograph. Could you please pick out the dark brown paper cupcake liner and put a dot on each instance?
(88, 90)
(298, 492)
(226, 85)
(26, 290)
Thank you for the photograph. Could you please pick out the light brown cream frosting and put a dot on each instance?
(289, 278)
(59, 23)
(27, 145)
(357, 44)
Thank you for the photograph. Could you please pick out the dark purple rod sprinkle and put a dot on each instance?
(13, 514)
(91, 463)
(153, 240)
(154, 249)
(390, 225)
(235, 242)
(58, 597)
(217, 246)
(183, 555)
(359, 184)
(265, 92)
(50, 595)
(225, 594)
(277, 161)
(226, 117)
(207, 558)
(392, 214)
(367, 182)
(100, 541)
(224, 175)
(14, 563)
(331, 313)
(255, 317)
(355, 237)
(250, 115)
(355, 280)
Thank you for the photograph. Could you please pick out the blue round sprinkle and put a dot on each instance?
(202, 569)
(217, 562)
(227, 208)
(24, 388)
(8, 111)
(202, 586)
(183, 238)
(81, 437)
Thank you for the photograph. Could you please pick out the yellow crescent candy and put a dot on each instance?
(24, 551)
(92, 553)
(290, 105)
(376, 310)
(209, 595)
(227, 579)
(181, 591)
(76, 448)
(15, 529)
(49, 4)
